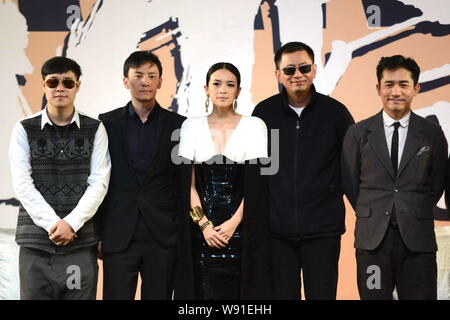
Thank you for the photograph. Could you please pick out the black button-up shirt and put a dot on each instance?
(141, 140)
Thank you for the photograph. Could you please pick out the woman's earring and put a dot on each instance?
(235, 104)
(207, 103)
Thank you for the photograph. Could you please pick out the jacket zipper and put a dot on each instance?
(296, 213)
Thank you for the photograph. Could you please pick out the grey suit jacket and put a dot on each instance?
(372, 188)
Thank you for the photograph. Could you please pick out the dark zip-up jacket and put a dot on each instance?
(305, 195)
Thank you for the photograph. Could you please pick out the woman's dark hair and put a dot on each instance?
(138, 58)
(396, 62)
(60, 65)
(227, 66)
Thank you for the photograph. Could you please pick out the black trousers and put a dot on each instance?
(393, 265)
(69, 276)
(154, 262)
(317, 259)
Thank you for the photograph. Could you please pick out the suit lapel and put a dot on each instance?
(377, 141)
(413, 142)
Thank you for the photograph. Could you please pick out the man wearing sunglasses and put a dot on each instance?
(306, 209)
(60, 168)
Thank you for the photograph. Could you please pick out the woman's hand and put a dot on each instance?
(227, 229)
(213, 238)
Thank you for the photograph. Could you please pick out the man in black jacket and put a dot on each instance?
(142, 221)
(307, 212)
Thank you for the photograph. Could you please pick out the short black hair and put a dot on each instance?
(60, 65)
(227, 66)
(292, 47)
(138, 58)
(396, 62)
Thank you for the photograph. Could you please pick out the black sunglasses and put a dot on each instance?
(289, 71)
(67, 83)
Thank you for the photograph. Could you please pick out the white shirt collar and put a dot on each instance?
(45, 119)
(388, 121)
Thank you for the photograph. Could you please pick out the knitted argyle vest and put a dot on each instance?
(60, 164)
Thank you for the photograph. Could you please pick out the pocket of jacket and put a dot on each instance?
(363, 211)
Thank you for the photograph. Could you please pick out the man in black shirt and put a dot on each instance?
(142, 215)
(307, 212)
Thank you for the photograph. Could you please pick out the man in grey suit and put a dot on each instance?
(393, 171)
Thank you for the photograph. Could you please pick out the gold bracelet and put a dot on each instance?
(196, 214)
(204, 225)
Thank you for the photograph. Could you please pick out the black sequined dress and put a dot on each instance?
(219, 183)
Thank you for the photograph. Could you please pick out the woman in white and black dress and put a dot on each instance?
(219, 144)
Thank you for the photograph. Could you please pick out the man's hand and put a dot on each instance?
(62, 233)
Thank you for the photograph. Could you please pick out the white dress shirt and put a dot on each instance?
(42, 214)
(247, 141)
(402, 132)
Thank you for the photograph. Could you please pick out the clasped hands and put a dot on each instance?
(62, 233)
(218, 237)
